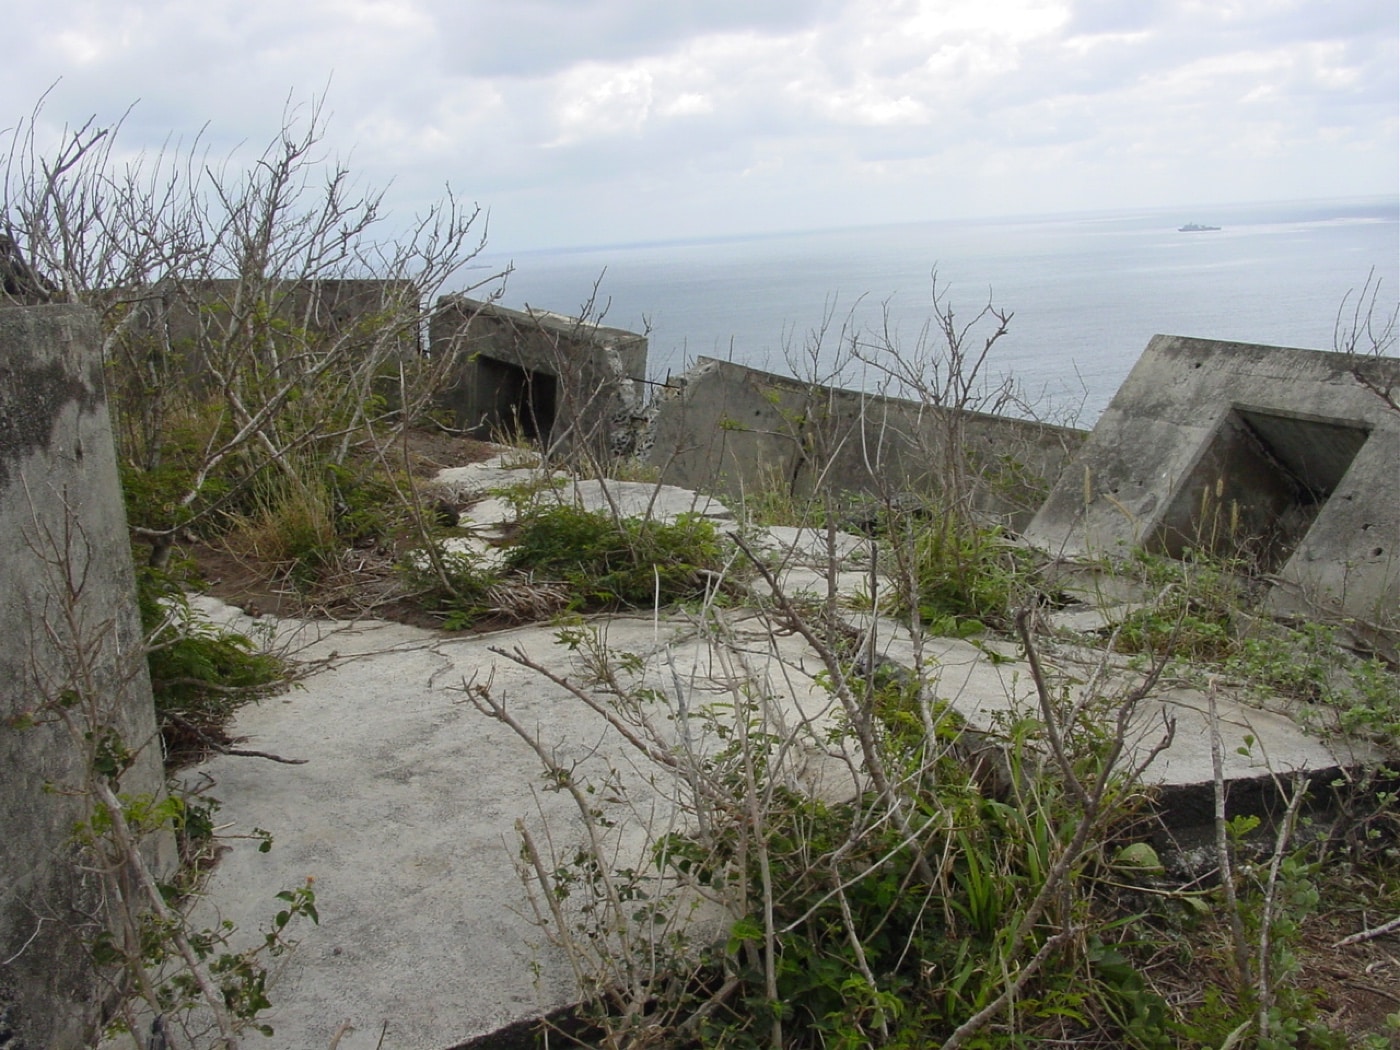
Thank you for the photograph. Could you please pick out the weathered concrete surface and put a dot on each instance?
(480, 488)
(406, 810)
(735, 431)
(1280, 452)
(405, 814)
(571, 384)
(67, 585)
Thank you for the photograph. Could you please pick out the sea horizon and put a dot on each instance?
(1076, 214)
(1086, 289)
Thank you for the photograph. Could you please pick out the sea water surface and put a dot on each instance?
(1086, 291)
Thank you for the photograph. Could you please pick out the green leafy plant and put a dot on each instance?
(961, 579)
(604, 561)
(1199, 604)
(200, 673)
(236, 976)
(457, 583)
(1371, 706)
(300, 526)
(1204, 616)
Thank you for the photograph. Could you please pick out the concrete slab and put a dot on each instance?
(806, 582)
(499, 472)
(476, 547)
(1092, 619)
(801, 560)
(407, 807)
(405, 812)
(807, 546)
(638, 499)
(479, 482)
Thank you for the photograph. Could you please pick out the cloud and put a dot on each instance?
(1113, 18)
(532, 38)
(598, 101)
(579, 120)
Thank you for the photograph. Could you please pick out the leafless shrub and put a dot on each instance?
(1367, 334)
(257, 315)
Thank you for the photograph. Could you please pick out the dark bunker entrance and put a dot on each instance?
(1258, 486)
(522, 404)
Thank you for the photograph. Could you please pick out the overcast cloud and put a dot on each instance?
(598, 121)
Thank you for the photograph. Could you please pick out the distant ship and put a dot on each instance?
(1195, 227)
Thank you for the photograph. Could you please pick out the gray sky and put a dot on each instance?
(600, 121)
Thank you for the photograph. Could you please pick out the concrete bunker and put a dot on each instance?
(734, 430)
(569, 383)
(1292, 443)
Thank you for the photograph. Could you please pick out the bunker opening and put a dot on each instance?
(1258, 486)
(519, 404)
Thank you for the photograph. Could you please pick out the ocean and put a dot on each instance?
(1086, 291)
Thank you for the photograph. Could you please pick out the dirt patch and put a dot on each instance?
(428, 451)
(365, 583)
(1358, 985)
(251, 586)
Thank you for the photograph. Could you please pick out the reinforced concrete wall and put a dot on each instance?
(1282, 455)
(567, 383)
(330, 308)
(67, 584)
(733, 430)
(190, 321)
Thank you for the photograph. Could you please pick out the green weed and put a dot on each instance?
(301, 525)
(456, 583)
(200, 673)
(1371, 705)
(1204, 616)
(606, 562)
(1197, 611)
(961, 579)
